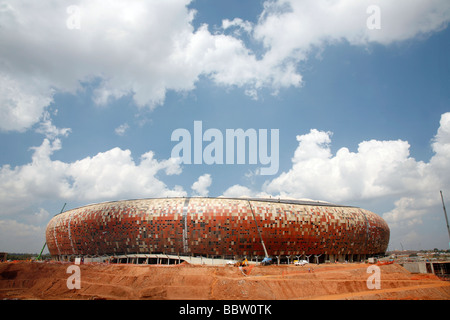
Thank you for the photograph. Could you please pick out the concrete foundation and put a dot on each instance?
(440, 268)
(168, 259)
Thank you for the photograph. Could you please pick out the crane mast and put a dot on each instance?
(446, 219)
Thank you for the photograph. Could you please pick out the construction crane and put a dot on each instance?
(267, 260)
(40, 254)
(446, 219)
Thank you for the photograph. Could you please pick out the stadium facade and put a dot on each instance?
(218, 227)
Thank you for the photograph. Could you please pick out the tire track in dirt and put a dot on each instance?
(387, 292)
(189, 282)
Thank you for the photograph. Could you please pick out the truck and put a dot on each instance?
(300, 262)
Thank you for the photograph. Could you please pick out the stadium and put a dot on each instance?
(225, 228)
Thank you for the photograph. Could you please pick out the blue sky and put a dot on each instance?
(88, 113)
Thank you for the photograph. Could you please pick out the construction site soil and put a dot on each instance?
(48, 281)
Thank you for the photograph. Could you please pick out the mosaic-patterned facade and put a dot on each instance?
(216, 227)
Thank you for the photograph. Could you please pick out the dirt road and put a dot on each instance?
(48, 281)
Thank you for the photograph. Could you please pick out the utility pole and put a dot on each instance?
(446, 219)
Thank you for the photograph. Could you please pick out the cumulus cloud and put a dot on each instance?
(143, 49)
(378, 169)
(238, 191)
(420, 188)
(108, 175)
(136, 48)
(200, 187)
(22, 103)
(293, 27)
(379, 173)
(114, 174)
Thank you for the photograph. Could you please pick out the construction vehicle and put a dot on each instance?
(300, 262)
(241, 263)
(266, 261)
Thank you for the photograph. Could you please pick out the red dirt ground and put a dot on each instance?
(48, 281)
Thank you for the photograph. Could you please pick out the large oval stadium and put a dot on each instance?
(218, 227)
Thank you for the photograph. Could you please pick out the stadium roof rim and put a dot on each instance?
(272, 200)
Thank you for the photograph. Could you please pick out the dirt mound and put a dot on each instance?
(48, 281)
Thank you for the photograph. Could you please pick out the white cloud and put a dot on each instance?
(26, 238)
(47, 128)
(127, 45)
(39, 217)
(238, 191)
(292, 30)
(145, 48)
(408, 210)
(120, 130)
(41, 178)
(378, 169)
(422, 184)
(200, 187)
(237, 23)
(136, 48)
(113, 174)
(108, 175)
(22, 103)
(293, 27)
(380, 174)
